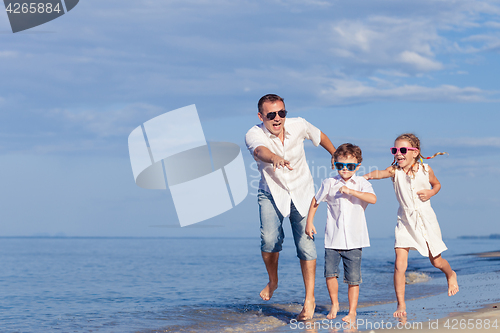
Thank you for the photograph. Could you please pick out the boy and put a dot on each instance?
(346, 233)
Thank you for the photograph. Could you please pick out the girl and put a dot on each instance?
(417, 227)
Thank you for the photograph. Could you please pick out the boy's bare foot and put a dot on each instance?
(350, 318)
(268, 291)
(452, 284)
(307, 311)
(400, 311)
(333, 311)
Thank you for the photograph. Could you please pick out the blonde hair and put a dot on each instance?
(415, 143)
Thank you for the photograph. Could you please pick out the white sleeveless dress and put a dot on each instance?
(417, 225)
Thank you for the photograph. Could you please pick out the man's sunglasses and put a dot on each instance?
(272, 115)
(350, 166)
(403, 150)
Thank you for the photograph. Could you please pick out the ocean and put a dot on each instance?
(205, 285)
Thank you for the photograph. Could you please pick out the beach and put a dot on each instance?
(151, 285)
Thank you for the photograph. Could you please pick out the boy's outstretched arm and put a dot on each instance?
(380, 174)
(310, 229)
(365, 196)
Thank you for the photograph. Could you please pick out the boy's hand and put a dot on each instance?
(310, 230)
(345, 190)
(425, 195)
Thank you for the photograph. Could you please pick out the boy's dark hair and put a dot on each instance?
(348, 149)
(269, 98)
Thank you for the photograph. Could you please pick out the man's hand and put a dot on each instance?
(279, 163)
(345, 190)
(425, 195)
(310, 230)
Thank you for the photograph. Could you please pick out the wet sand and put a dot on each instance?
(476, 307)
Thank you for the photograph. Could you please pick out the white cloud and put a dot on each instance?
(106, 123)
(352, 91)
(419, 62)
(471, 142)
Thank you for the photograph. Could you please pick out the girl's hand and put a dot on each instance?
(310, 230)
(367, 177)
(425, 195)
(345, 190)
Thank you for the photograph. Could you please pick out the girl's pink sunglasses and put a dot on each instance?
(403, 150)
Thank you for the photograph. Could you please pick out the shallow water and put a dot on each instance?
(188, 284)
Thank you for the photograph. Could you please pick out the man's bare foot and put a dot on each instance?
(452, 284)
(400, 311)
(333, 311)
(307, 311)
(350, 318)
(268, 291)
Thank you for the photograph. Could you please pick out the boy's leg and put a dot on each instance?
(271, 233)
(352, 276)
(444, 266)
(332, 261)
(400, 265)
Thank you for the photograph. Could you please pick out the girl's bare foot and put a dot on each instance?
(307, 311)
(400, 311)
(350, 318)
(333, 311)
(452, 284)
(268, 291)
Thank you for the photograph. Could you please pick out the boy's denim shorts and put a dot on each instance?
(271, 228)
(352, 264)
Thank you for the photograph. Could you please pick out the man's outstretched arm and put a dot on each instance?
(265, 155)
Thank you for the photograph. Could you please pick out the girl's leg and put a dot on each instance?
(333, 289)
(400, 266)
(444, 266)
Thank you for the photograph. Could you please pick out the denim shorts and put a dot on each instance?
(352, 264)
(271, 228)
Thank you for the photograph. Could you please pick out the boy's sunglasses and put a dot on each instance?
(350, 166)
(272, 115)
(403, 150)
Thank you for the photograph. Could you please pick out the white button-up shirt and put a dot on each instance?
(345, 223)
(286, 185)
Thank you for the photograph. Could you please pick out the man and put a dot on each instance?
(286, 189)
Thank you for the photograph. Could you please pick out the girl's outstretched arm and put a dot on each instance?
(380, 174)
(425, 195)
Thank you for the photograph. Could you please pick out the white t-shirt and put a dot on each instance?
(286, 185)
(345, 223)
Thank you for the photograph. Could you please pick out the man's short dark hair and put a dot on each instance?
(269, 98)
(348, 149)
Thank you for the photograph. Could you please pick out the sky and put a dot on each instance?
(73, 89)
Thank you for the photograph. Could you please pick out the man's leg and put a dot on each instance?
(271, 262)
(272, 235)
(308, 274)
(306, 252)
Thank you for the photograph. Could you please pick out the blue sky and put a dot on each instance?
(362, 71)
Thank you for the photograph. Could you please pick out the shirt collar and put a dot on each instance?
(271, 135)
(339, 179)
